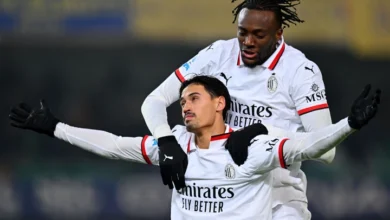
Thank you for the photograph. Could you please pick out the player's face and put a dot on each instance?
(199, 109)
(258, 33)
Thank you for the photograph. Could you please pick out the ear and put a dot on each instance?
(279, 34)
(221, 103)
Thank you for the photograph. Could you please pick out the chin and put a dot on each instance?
(192, 127)
(251, 64)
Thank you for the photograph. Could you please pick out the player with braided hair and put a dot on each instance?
(269, 81)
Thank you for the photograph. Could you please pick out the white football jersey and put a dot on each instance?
(286, 86)
(216, 188)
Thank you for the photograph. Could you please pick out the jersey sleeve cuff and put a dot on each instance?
(281, 155)
(313, 108)
(143, 150)
(179, 75)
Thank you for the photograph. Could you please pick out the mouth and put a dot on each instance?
(188, 117)
(249, 54)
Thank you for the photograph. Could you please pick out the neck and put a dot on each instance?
(203, 137)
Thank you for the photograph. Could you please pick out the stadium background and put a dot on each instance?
(95, 61)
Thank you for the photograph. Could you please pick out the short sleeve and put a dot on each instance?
(308, 89)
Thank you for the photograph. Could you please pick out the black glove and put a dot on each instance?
(364, 108)
(239, 141)
(40, 119)
(173, 162)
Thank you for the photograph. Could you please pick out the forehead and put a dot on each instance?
(193, 88)
(256, 19)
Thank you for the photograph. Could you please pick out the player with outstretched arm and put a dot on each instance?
(269, 81)
(215, 187)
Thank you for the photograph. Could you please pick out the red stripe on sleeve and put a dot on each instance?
(179, 75)
(143, 150)
(280, 152)
(313, 108)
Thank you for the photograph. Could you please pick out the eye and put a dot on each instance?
(194, 98)
(260, 36)
(241, 33)
(182, 103)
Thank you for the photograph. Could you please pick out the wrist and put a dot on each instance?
(53, 124)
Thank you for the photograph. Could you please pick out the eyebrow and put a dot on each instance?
(191, 94)
(255, 30)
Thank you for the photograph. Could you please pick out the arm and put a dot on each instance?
(154, 107)
(136, 149)
(314, 121)
(308, 93)
(311, 145)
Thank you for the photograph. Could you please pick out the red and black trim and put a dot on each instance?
(280, 153)
(313, 108)
(213, 138)
(179, 75)
(221, 136)
(239, 59)
(143, 150)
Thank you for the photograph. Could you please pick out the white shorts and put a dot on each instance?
(294, 210)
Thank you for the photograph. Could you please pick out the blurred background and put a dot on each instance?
(95, 61)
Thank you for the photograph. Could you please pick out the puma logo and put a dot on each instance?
(225, 77)
(167, 157)
(307, 68)
(210, 47)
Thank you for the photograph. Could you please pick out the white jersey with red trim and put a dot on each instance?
(286, 86)
(216, 188)
(277, 93)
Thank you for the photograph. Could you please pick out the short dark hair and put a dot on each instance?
(285, 9)
(213, 86)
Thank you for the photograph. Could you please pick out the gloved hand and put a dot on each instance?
(239, 141)
(173, 162)
(40, 119)
(364, 108)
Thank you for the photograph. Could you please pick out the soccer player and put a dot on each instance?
(269, 81)
(215, 187)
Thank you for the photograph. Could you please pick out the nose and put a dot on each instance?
(186, 107)
(248, 41)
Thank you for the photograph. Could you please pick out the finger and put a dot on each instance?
(17, 125)
(365, 92)
(20, 112)
(16, 118)
(25, 107)
(43, 104)
(163, 176)
(178, 178)
(170, 184)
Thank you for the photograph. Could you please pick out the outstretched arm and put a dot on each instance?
(41, 120)
(136, 149)
(280, 152)
(313, 145)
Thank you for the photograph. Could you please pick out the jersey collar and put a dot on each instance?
(215, 141)
(272, 60)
